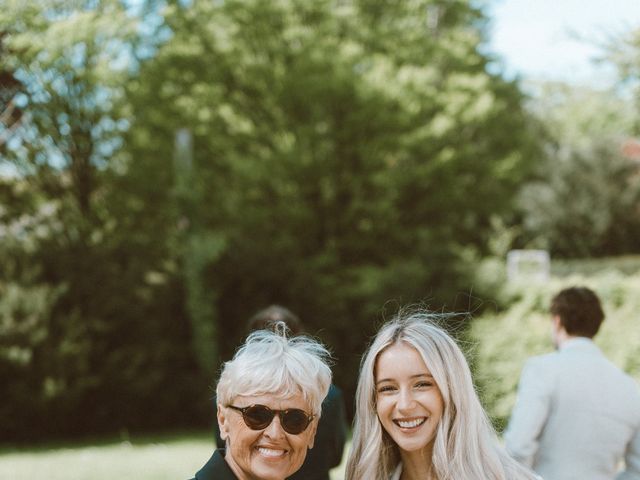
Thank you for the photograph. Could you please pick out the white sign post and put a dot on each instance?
(528, 265)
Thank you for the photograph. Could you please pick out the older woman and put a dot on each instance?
(269, 397)
(417, 413)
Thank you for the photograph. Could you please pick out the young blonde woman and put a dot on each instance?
(417, 413)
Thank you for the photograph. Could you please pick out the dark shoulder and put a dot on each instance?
(216, 468)
(334, 396)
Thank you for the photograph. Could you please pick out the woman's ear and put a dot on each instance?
(313, 427)
(222, 424)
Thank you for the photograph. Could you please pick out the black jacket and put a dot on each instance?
(216, 468)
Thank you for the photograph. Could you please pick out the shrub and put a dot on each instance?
(504, 340)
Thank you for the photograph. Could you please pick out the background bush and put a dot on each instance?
(502, 340)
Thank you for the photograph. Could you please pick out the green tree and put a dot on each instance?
(586, 198)
(623, 52)
(103, 318)
(345, 152)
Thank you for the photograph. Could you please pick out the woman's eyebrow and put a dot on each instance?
(417, 375)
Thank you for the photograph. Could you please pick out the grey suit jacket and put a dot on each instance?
(577, 416)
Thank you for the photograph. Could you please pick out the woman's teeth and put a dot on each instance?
(268, 452)
(410, 423)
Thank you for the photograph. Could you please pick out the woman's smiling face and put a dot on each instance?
(408, 401)
(268, 454)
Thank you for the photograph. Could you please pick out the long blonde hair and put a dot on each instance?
(465, 447)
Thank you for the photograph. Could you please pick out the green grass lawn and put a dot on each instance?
(175, 457)
(166, 457)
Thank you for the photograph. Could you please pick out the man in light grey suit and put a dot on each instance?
(577, 416)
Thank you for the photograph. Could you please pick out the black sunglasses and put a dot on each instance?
(259, 417)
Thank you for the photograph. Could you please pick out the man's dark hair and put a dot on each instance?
(268, 317)
(579, 310)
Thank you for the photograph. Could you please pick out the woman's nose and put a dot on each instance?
(274, 430)
(405, 399)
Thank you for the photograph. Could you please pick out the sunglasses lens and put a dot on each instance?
(258, 417)
(294, 421)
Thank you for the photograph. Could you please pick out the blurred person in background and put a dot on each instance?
(269, 403)
(418, 416)
(577, 415)
(331, 434)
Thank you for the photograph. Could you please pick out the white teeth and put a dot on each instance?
(412, 423)
(269, 452)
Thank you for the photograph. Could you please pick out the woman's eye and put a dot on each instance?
(424, 384)
(386, 388)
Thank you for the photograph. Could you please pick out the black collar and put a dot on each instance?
(216, 468)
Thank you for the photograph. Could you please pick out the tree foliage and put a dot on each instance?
(345, 152)
(586, 199)
(80, 289)
(343, 155)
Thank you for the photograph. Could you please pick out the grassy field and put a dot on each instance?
(166, 457)
(175, 457)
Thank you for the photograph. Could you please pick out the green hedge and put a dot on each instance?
(502, 341)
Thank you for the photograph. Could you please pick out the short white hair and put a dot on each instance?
(271, 362)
